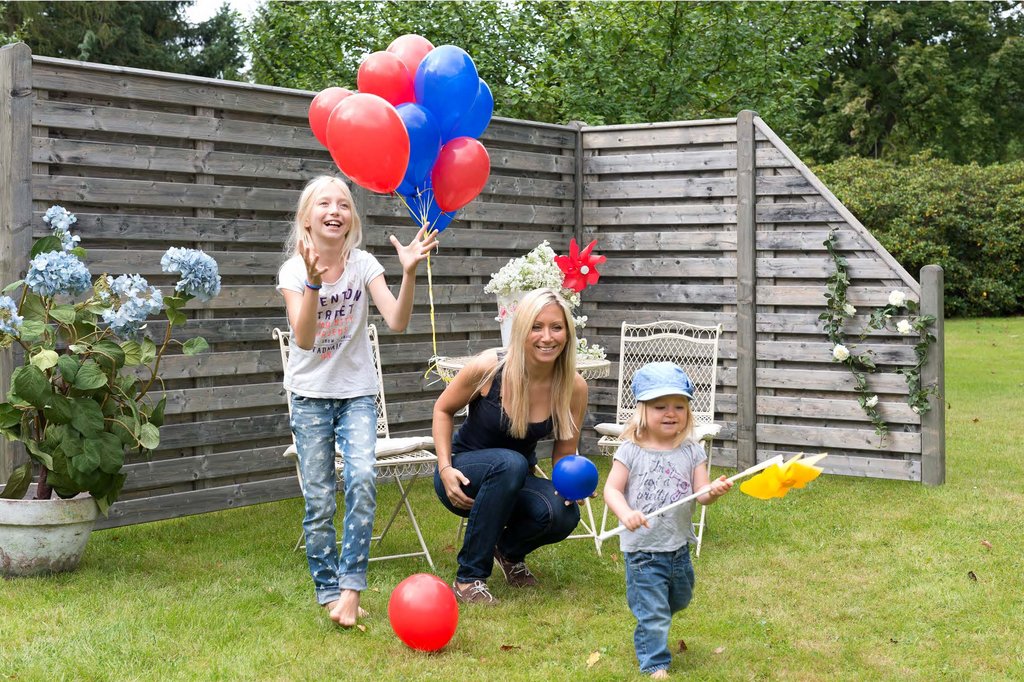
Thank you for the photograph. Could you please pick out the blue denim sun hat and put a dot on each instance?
(657, 379)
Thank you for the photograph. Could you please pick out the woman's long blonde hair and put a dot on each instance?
(636, 428)
(305, 207)
(515, 382)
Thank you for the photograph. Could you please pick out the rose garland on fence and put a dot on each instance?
(838, 310)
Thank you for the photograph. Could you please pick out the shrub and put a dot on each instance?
(967, 219)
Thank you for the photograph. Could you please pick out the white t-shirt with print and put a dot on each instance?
(340, 364)
(658, 478)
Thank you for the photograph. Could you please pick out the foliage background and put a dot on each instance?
(925, 88)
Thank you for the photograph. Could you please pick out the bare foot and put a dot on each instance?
(659, 675)
(346, 609)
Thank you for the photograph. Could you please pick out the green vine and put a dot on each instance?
(900, 314)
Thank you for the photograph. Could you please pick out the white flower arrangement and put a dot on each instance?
(535, 270)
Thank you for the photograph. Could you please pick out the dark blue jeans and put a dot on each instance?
(513, 510)
(658, 584)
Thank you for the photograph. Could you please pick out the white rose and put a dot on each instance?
(871, 402)
(849, 309)
(840, 352)
(904, 327)
(897, 297)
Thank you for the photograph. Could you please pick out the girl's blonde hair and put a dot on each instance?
(515, 382)
(636, 428)
(305, 207)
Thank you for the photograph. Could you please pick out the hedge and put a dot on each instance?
(968, 219)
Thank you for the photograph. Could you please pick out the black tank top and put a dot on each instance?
(487, 427)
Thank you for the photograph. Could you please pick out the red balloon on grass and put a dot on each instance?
(368, 141)
(423, 612)
(411, 49)
(459, 173)
(385, 75)
(320, 110)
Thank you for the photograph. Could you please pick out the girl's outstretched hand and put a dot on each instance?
(416, 250)
(314, 273)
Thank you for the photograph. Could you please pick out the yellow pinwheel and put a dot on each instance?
(776, 481)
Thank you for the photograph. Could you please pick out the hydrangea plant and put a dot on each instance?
(79, 402)
(535, 270)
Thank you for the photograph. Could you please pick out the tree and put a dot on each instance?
(148, 35)
(559, 61)
(947, 78)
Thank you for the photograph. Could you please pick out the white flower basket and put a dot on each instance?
(507, 304)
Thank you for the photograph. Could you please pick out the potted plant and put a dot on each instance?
(80, 399)
(568, 275)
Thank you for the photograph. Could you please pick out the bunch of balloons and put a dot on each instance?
(412, 127)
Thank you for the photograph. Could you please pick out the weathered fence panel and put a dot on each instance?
(705, 221)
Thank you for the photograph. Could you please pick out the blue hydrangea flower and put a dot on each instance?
(57, 272)
(199, 276)
(136, 301)
(10, 320)
(58, 218)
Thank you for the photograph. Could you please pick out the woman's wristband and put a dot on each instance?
(441, 470)
(314, 287)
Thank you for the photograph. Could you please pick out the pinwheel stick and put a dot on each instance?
(761, 466)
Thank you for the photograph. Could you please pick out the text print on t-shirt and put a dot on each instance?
(661, 488)
(334, 321)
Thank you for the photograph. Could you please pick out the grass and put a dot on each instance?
(856, 579)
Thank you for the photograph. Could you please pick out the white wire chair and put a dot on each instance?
(398, 459)
(692, 347)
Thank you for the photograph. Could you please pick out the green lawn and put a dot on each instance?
(852, 579)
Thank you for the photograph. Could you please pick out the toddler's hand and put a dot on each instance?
(634, 519)
(719, 487)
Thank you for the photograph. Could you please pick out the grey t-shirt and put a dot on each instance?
(340, 364)
(658, 478)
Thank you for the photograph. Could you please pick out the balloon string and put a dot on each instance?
(432, 367)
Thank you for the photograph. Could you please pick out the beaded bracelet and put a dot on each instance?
(314, 287)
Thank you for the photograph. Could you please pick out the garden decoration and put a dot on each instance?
(574, 477)
(80, 399)
(838, 310)
(423, 612)
(776, 481)
(542, 268)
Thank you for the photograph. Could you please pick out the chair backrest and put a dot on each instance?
(692, 347)
(284, 340)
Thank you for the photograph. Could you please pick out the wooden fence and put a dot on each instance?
(150, 160)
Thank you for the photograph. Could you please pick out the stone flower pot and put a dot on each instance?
(44, 536)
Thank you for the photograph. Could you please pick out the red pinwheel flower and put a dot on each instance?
(580, 267)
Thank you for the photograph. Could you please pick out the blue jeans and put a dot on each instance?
(320, 427)
(513, 510)
(658, 584)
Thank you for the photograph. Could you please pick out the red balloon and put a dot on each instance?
(320, 110)
(368, 141)
(411, 49)
(423, 612)
(459, 173)
(385, 75)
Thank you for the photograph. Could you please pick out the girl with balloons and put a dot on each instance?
(331, 380)
(486, 473)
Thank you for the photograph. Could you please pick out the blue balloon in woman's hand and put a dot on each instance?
(575, 477)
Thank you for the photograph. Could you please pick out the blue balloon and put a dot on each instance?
(575, 477)
(475, 121)
(424, 145)
(422, 207)
(446, 83)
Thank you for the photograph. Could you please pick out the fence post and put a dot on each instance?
(746, 293)
(15, 196)
(933, 374)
